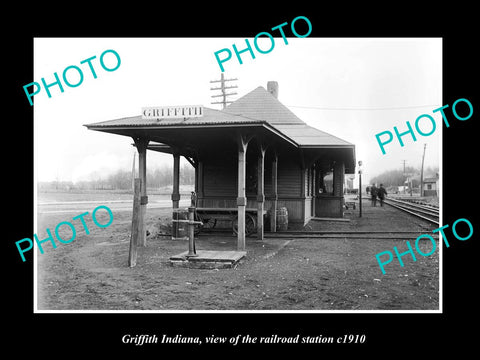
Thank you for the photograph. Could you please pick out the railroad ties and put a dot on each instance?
(342, 234)
(423, 211)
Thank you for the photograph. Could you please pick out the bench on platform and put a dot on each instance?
(353, 204)
(209, 216)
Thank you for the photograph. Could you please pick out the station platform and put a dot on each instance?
(208, 259)
(374, 218)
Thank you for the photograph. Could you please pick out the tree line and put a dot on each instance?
(397, 177)
(122, 180)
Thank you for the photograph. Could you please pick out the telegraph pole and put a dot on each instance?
(360, 188)
(421, 173)
(222, 88)
(404, 189)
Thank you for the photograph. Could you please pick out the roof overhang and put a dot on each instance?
(220, 129)
(181, 136)
(327, 154)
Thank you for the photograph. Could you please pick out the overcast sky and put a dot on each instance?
(351, 88)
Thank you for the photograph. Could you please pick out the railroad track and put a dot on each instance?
(415, 201)
(426, 212)
(332, 234)
(370, 235)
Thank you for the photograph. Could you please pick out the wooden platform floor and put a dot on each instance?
(208, 259)
(329, 219)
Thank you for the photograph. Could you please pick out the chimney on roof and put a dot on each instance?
(272, 88)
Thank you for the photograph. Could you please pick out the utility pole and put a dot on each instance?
(404, 190)
(224, 94)
(360, 188)
(421, 173)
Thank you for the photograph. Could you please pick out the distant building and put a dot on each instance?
(430, 186)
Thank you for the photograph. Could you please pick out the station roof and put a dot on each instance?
(258, 108)
(260, 105)
(210, 117)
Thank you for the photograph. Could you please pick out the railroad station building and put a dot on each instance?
(255, 156)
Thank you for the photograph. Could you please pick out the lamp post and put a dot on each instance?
(360, 187)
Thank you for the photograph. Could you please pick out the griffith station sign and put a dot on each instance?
(172, 112)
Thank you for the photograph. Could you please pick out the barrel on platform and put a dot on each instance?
(180, 224)
(282, 219)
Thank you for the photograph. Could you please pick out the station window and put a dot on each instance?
(327, 184)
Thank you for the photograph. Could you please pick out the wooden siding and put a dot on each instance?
(289, 178)
(329, 206)
(268, 177)
(294, 188)
(295, 208)
(338, 178)
(225, 202)
(219, 180)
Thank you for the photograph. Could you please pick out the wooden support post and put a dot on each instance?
(303, 180)
(318, 180)
(132, 254)
(191, 232)
(338, 180)
(196, 178)
(273, 210)
(176, 181)
(141, 145)
(241, 198)
(314, 186)
(260, 191)
(318, 175)
(200, 180)
(176, 189)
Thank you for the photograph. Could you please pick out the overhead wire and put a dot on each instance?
(364, 109)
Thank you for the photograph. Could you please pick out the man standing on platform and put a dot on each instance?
(381, 192)
(373, 194)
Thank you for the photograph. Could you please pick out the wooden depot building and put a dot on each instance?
(253, 157)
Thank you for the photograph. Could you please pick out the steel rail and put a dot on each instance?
(413, 204)
(420, 210)
(413, 212)
(344, 236)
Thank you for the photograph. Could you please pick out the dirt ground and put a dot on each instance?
(91, 272)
